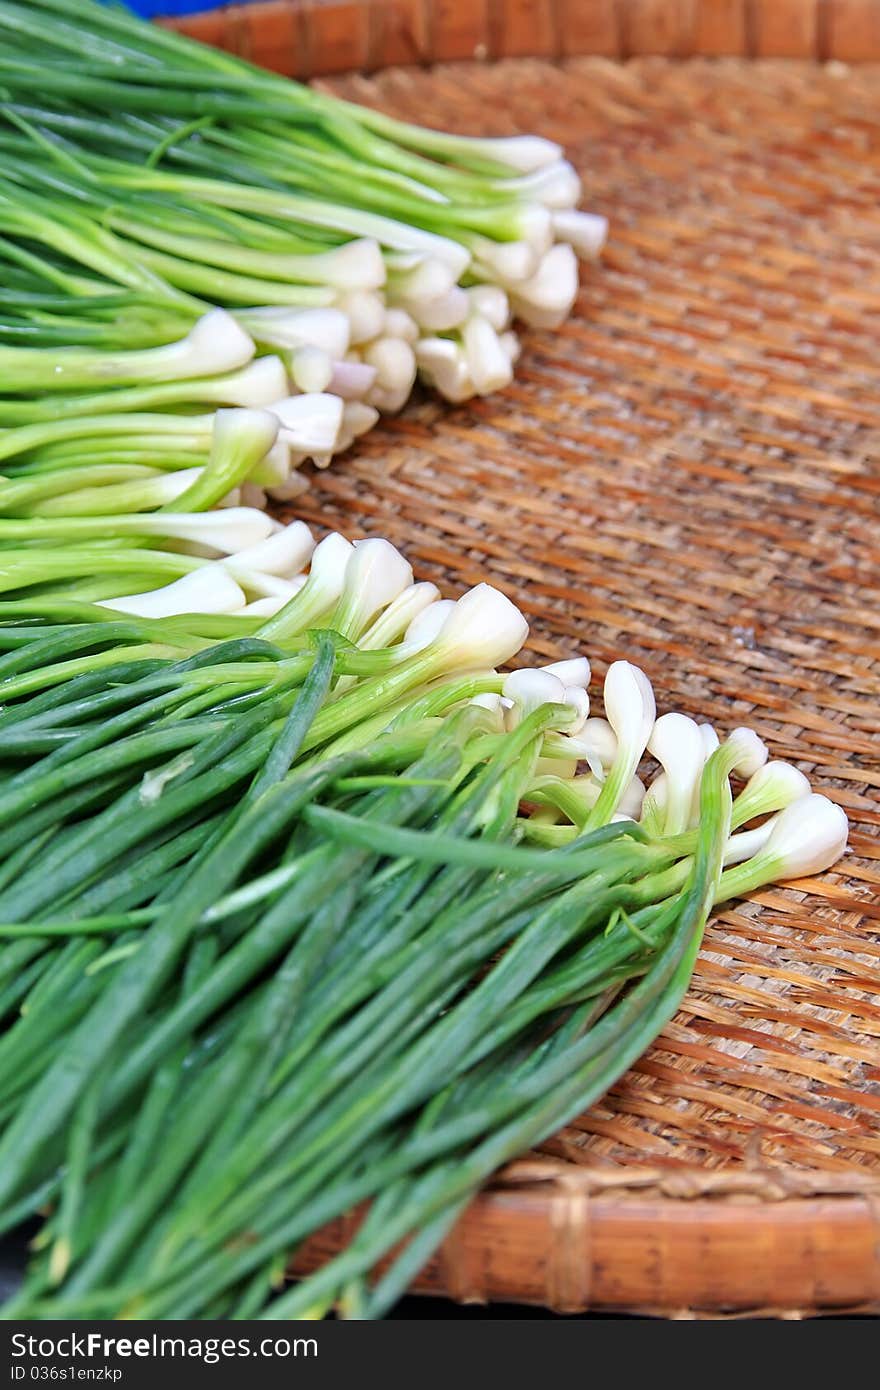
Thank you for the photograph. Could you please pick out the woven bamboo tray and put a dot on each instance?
(686, 474)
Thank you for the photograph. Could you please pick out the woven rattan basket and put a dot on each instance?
(688, 474)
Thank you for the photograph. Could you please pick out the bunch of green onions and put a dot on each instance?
(348, 875)
(197, 302)
(147, 180)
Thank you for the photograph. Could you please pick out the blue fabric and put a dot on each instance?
(150, 9)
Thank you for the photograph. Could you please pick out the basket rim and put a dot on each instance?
(307, 40)
(577, 1234)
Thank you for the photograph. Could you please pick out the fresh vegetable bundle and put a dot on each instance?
(328, 914)
(150, 181)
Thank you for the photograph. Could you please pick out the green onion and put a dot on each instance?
(386, 974)
(344, 239)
